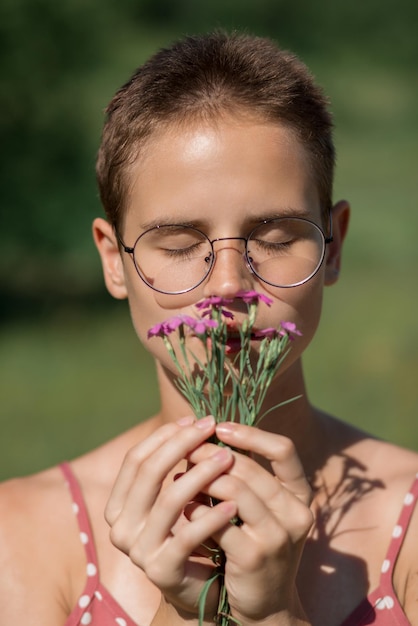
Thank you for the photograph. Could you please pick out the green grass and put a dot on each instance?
(68, 386)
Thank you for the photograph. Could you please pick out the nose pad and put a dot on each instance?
(230, 272)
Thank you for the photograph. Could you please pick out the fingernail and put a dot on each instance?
(229, 508)
(222, 454)
(205, 423)
(185, 421)
(226, 427)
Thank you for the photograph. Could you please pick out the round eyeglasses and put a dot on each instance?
(283, 252)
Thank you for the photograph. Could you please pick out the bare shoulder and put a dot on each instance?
(404, 473)
(34, 515)
(398, 468)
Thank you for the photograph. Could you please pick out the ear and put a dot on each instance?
(108, 247)
(340, 219)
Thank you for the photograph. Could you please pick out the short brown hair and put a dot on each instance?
(201, 78)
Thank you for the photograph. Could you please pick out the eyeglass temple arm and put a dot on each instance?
(120, 240)
(330, 237)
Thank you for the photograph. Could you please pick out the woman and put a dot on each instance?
(214, 142)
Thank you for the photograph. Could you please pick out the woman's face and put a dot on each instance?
(224, 179)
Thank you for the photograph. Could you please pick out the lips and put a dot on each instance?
(233, 345)
(233, 342)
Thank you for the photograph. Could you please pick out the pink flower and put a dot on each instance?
(213, 301)
(168, 326)
(208, 305)
(289, 328)
(266, 332)
(159, 330)
(253, 297)
(174, 322)
(201, 326)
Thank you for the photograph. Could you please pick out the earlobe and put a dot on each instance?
(340, 220)
(108, 248)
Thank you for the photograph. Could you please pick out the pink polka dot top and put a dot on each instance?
(97, 607)
(381, 607)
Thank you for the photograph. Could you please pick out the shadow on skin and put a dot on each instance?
(327, 572)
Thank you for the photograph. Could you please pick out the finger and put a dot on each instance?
(175, 550)
(165, 438)
(277, 449)
(283, 511)
(152, 512)
(172, 501)
(263, 482)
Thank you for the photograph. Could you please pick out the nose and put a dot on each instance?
(230, 272)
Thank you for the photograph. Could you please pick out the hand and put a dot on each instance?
(145, 511)
(262, 554)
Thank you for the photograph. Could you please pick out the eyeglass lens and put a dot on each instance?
(284, 253)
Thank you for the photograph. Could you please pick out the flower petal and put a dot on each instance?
(289, 328)
(266, 332)
(254, 297)
(157, 331)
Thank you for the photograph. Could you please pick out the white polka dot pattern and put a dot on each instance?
(84, 601)
(91, 569)
(397, 531)
(387, 602)
(84, 538)
(95, 606)
(409, 499)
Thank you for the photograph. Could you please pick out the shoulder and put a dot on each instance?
(400, 475)
(34, 515)
(392, 471)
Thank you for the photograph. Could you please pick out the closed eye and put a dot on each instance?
(187, 253)
(272, 246)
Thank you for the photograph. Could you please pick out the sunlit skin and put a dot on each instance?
(283, 568)
(224, 179)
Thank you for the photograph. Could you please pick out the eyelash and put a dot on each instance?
(182, 252)
(267, 245)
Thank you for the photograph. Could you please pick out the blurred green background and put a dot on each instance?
(71, 371)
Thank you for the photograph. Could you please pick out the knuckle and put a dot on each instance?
(303, 524)
(284, 448)
(155, 570)
(166, 496)
(110, 514)
(226, 487)
(119, 539)
(133, 456)
(137, 555)
(308, 519)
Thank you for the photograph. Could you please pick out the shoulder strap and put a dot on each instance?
(80, 511)
(399, 533)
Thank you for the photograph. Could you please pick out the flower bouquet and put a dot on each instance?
(226, 381)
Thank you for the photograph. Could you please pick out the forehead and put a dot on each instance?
(236, 165)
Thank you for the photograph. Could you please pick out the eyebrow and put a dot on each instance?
(164, 221)
(251, 220)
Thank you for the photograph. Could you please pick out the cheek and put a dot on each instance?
(301, 305)
(148, 308)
